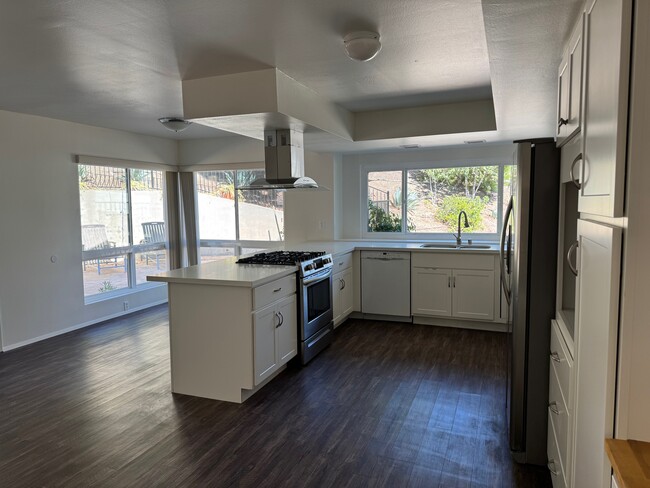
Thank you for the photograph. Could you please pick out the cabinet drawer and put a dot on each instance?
(460, 260)
(342, 262)
(557, 410)
(561, 363)
(269, 293)
(554, 463)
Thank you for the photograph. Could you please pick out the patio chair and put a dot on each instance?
(154, 232)
(93, 237)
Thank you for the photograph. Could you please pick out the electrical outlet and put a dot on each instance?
(126, 306)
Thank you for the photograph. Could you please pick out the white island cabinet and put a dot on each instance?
(232, 327)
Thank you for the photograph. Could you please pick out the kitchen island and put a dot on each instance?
(226, 341)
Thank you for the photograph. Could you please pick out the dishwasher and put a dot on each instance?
(386, 283)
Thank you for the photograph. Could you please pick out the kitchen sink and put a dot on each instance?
(433, 245)
(439, 246)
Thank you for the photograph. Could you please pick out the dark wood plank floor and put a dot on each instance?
(387, 404)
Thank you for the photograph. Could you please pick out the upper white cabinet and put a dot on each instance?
(570, 87)
(599, 264)
(608, 26)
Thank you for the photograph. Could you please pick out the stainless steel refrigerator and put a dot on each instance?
(528, 273)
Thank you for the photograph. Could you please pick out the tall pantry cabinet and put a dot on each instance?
(595, 388)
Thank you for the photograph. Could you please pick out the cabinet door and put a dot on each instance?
(599, 259)
(608, 26)
(337, 298)
(431, 291)
(473, 292)
(347, 293)
(264, 323)
(575, 81)
(563, 87)
(287, 332)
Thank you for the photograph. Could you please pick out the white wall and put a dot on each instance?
(352, 165)
(39, 218)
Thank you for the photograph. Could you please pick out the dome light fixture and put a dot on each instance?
(362, 45)
(175, 124)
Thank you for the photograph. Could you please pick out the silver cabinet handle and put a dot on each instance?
(454, 282)
(572, 249)
(277, 290)
(556, 357)
(281, 318)
(574, 180)
(340, 284)
(562, 121)
(343, 284)
(551, 467)
(275, 314)
(449, 282)
(553, 408)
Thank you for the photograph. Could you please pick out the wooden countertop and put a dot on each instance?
(631, 462)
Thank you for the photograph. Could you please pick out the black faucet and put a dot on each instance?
(459, 241)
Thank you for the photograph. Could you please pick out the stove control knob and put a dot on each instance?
(308, 267)
(327, 260)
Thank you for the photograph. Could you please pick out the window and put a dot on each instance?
(233, 221)
(426, 201)
(122, 228)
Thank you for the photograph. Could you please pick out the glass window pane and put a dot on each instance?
(149, 263)
(216, 204)
(148, 206)
(209, 254)
(105, 275)
(261, 212)
(385, 201)
(436, 196)
(104, 207)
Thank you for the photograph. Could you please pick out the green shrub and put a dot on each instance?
(106, 286)
(381, 221)
(451, 206)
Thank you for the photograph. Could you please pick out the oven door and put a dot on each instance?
(316, 303)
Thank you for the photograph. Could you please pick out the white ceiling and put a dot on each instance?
(119, 64)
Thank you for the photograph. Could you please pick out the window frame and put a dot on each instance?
(237, 243)
(405, 234)
(131, 249)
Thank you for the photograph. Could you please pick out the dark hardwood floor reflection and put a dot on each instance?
(387, 404)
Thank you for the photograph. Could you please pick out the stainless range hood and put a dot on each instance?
(284, 163)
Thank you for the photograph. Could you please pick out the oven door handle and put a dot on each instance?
(321, 275)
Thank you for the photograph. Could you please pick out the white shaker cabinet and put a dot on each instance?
(431, 291)
(608, 26)
(275, 337)
(599, 264)
(453, 285)
(342, 288)
(570, 87)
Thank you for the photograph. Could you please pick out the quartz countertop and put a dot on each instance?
(226, 272)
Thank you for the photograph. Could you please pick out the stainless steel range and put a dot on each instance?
(315, 315)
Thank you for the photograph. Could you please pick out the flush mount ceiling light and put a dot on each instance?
(175, 124)
(362, 45)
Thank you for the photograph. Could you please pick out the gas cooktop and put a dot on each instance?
(281, 258)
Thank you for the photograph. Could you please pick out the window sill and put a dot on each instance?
(102, 297)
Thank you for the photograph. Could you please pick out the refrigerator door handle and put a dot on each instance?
(502, 260)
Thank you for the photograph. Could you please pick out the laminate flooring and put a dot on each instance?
(388, 404)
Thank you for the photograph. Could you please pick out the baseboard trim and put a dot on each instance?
(43, 337)
(461, 324)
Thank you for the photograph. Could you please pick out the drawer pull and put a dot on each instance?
(553, 408)
(551, 467)
(556, 357)
(277, 290)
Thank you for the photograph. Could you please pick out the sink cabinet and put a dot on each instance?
(459, 286)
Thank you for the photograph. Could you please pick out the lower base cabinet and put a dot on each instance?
(461, 293)
(342, 295)
(275, 337)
